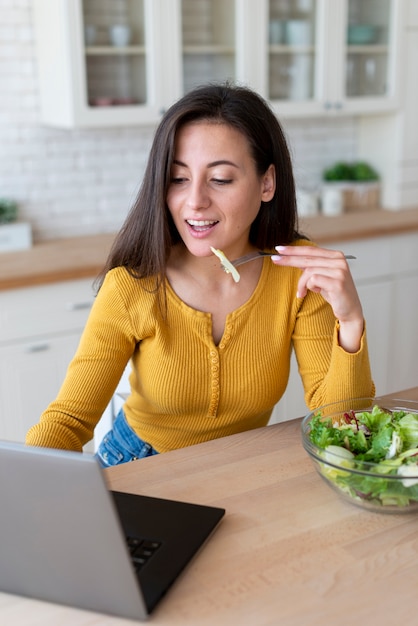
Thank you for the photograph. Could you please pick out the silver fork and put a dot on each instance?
(256, 255)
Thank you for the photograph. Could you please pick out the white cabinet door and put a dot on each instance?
(90, 78)
(371, 58)
(376, 299)
(316, 57)
(402, 360)
(292, 404)
(31, 374)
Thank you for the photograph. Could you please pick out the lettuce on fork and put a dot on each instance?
(226, 264)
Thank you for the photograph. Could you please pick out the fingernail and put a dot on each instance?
(279, 248)
(276, 257)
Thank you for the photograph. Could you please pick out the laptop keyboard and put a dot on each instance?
(141, 551)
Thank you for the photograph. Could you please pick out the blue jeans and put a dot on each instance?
(122, 444)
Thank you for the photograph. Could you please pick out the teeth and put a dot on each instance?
(201, 222)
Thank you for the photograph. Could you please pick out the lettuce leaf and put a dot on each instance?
(408, 430)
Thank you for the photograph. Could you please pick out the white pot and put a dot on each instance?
(16, 236)
(332, 200)
(307, 203)
(120, 35)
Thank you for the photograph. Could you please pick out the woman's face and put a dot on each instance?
(215, 191)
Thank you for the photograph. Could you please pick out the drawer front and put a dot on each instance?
(44, 310)
(372, 257)
(381, 257)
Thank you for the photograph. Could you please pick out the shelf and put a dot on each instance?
(113, 50)
(290, 49)
(208, 49)
(367, 49)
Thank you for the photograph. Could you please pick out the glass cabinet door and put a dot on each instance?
(367, 57)
(292, 52)
(208, 35)
(115, 53)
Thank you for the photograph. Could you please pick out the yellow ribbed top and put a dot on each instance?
(184, 388)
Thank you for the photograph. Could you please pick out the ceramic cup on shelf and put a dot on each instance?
(307, 203)
(277, 30)
(90, 34)
(298, 33)
(332, 200)
(120, 35)
(304, 6)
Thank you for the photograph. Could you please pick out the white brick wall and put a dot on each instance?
(83, 181)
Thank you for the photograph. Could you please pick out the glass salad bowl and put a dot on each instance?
(366, 449)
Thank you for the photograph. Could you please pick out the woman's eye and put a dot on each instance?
(222, 181)
(178, 180)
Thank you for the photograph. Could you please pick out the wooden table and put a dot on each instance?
(289, 551)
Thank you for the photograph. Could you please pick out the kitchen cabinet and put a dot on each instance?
(404, 342)
(328, 56)
(391, 141)
(90, 78)
(386, 276)
(121, 63)
(39, 332)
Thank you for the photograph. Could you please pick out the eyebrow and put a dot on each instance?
(212, 164)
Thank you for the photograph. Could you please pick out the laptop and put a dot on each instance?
(63, 534)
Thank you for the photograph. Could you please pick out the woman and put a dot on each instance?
(210, 357)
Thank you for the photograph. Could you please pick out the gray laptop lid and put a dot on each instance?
(61, 536)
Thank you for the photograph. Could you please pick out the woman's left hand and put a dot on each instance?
(327, 272)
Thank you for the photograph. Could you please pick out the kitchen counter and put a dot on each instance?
(359, 225)
(55, 261)
(83, 257)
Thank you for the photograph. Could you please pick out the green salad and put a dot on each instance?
(370, 455)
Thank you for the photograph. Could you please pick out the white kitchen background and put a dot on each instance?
(80, 182)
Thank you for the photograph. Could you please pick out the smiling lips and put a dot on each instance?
(201, 226)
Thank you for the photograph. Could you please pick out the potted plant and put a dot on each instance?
(359, 184)
(8, 211)
(14, 235)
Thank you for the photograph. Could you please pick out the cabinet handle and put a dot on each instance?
(37, 347)
(78, 306)
(337, 106)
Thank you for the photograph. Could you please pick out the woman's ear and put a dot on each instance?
(268, 184)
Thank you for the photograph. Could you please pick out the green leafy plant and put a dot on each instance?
(360, 171)
(8, 211)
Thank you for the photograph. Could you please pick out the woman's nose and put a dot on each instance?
(198, 197)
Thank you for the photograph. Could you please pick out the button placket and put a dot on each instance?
(226, 336)
(214, 369)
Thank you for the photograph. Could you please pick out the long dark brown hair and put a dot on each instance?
(148, 234)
